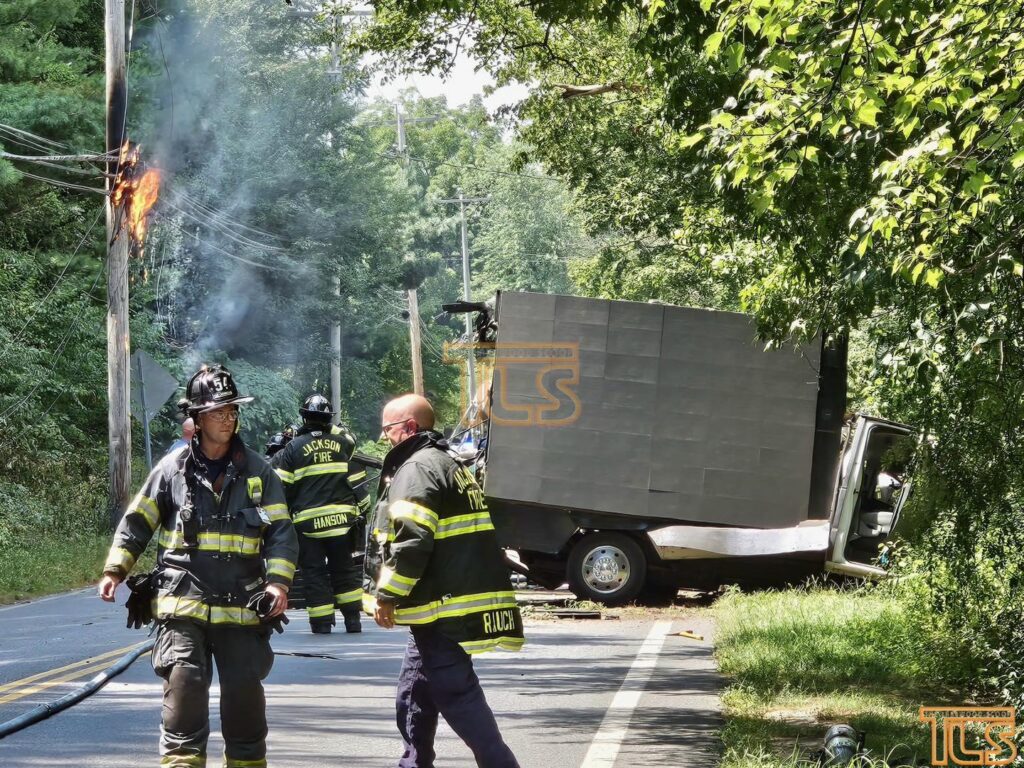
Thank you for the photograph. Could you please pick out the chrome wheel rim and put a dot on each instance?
(605, 569)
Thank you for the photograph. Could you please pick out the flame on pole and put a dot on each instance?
(136, 188)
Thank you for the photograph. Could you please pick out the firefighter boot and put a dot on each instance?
(352, 622)
(320, 627)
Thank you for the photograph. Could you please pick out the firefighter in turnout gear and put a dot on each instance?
(225, 542)
(327, 494)
(435, 564)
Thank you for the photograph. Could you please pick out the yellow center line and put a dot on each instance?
(84, 662)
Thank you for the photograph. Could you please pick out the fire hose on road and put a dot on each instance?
(43, 711)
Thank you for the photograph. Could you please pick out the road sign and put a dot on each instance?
(151, 384)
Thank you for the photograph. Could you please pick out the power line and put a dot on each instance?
(74, 325)
(53, 287)
(221, 250)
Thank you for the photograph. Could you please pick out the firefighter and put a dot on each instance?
(276, 443)
(435, 564)
(327, 495)
(218, 510)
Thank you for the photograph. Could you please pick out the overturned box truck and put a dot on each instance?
(632, 449)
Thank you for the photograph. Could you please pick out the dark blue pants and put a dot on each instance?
(437, 678)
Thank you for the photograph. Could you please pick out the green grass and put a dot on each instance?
(52, 564)
(802, 660)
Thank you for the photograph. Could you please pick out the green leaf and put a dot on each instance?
(691, 141)
(915, 273)
(933, 277)
(1018, 159)
(713, 43)
(867, 114)
(734, 57)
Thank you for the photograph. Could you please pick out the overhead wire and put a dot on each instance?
(219, 215)
(220, 250)
(18, 336)
(241, 240)
(32, 141)
(59, 352)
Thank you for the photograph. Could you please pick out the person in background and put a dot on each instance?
(188, 430)
(327, 495)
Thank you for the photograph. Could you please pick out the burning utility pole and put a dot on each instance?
(119, 426)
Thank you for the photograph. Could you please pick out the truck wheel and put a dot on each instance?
(607, 568)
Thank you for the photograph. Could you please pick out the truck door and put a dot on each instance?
(872, 488)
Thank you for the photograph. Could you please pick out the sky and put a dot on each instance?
(460, 86)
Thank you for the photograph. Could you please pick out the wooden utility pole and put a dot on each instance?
(463, 201)
(119, 425)
(414, 343)
(334, 73)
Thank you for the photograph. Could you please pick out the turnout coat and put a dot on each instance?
(433, 550)
(215, 549)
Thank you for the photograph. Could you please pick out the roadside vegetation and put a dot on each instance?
(802, 660)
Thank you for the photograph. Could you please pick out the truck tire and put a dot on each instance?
(607, 568)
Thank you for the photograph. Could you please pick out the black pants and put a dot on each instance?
(437, 677)
(330, 577)
(183, 656)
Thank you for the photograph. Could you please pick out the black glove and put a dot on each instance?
(358, 532)
(263, 604)
(142, 588)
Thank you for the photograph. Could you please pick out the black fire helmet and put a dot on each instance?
(211, 387)
(276, 443)
(316, 409)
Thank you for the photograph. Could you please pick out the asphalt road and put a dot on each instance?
(594, 694)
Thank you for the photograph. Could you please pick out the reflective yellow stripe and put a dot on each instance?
(278, 566)
(146, 508)
(357, 477)
(408, 510)
(456, 606)
(319, 611)
(231, 763)
(119, 558)
(348, 597)
(276, 512)
(398, 586)
(184, 761)
(169, 606)
(329, 509)
(285, 475)
(330, 533)
(255, 489)
(504, 643)
(233, 614)
(460, 524)
(369, 603)
(320, 469)
(210, 541)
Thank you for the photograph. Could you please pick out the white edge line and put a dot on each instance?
(609, 737)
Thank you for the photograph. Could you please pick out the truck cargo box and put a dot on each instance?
(665, 413)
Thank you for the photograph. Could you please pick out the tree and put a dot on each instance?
(844, 167)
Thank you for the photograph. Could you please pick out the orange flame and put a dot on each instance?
(138, 193)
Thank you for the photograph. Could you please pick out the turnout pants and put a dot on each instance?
(183, 655)
(437, 678)
(330, 577)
